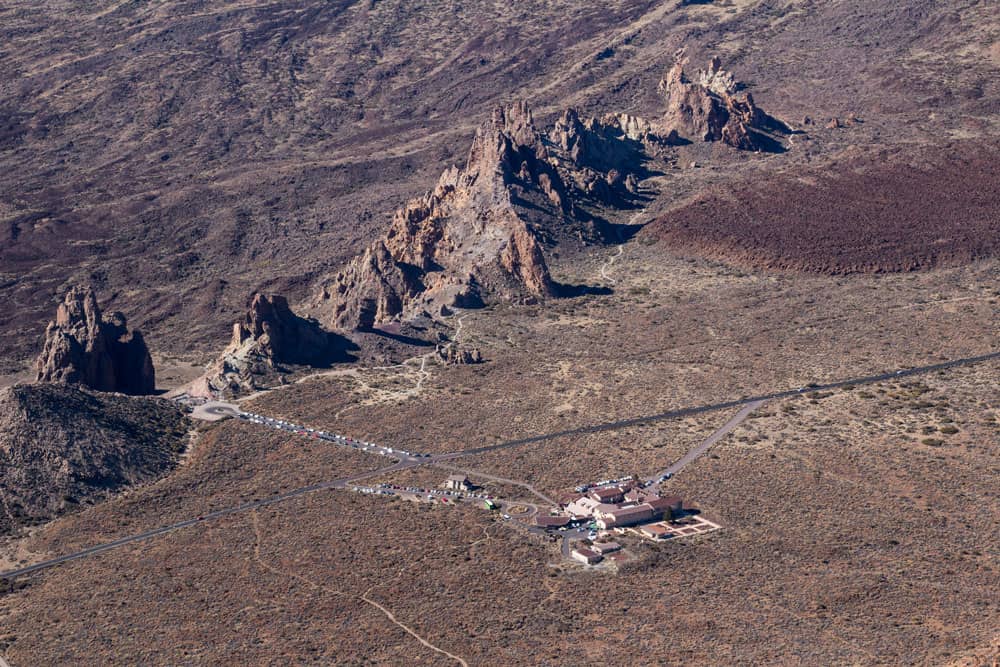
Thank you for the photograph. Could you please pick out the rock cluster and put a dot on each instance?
(709, 108)
(604, 154)
(82, 346)
(455, 355)
(477, 236)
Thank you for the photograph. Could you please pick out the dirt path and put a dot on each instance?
(379, 395)
(609, 262)
(410, 631)
(364, 598)
(514, 482)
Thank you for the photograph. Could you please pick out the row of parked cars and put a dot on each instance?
(396, 488)
(583, 488)
(323, 435)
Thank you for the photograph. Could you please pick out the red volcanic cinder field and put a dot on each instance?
(871, 215)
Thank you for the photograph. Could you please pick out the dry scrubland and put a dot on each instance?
(846, 540)
(180, 156)
(675, 333)
(858, 527)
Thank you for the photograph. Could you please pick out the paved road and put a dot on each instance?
(686, 412)
(410, 461)
(723, 431)
(245, 507)
(215, 410)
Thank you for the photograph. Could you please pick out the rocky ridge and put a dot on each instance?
(83, 346)
(461, 242)
(478, 236)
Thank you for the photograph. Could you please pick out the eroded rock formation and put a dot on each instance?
(710, 107)
(456, 355)
(268, 337)
(82, 346)
(477, 237)
(463, 243)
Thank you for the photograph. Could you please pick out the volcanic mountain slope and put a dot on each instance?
(477, 237)
(82, 346)
(63, 446)
(903, 212)
(180, 156)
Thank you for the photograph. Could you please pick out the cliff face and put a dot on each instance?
(63, 446)
(82, 346)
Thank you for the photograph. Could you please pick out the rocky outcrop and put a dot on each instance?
(710, 108)
(477, 236)
(464, 243)
(455, 355)
(269, 337)
(82, 346)
(276, 333)
(607, 156)
(65, 447)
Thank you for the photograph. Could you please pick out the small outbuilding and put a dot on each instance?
(458, 483)
(605, 547)
(551, 521)
(655, 531)
(588, 556)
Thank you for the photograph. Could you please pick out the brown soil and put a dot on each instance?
(838, 520)
(181, 156)
(872, 214)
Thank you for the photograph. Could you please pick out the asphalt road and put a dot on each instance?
(685, 412)
(410, 461)
(245, 507)
(722, 432)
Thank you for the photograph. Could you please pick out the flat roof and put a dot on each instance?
(631, 511)
(551, 520)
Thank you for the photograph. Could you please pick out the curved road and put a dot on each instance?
(409, 461)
